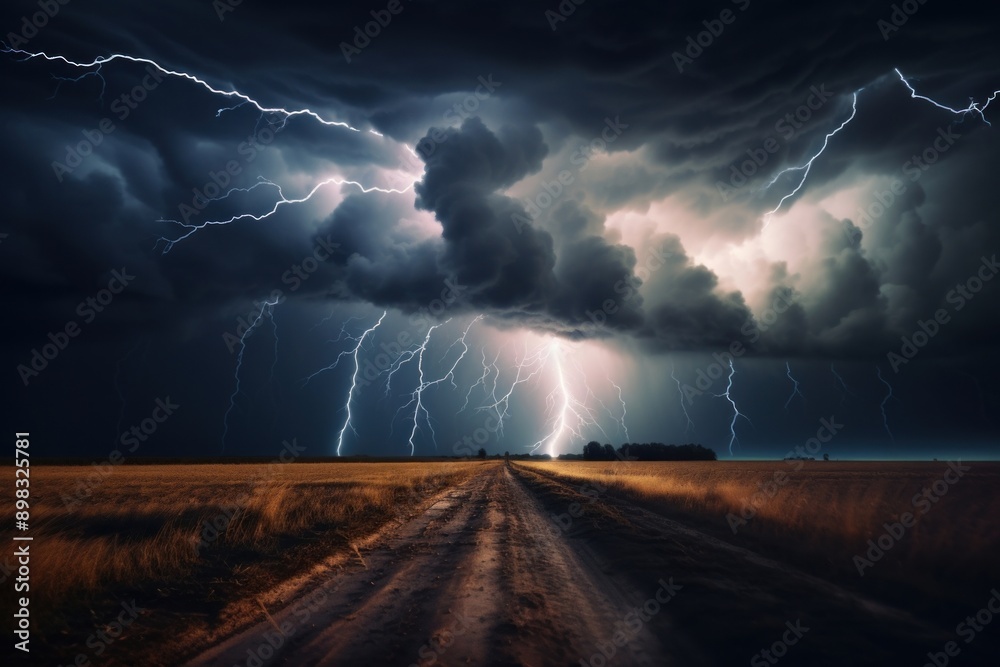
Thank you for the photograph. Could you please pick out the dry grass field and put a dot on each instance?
(213, 554)
(823, 513)
(199, 536)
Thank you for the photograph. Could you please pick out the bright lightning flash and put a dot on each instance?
(727, 394)
(240, 99)
(569, 415)
(353, 353)
(974, 107)
(417, 396)
(807, 167)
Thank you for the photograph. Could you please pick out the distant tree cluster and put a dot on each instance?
(826, 457)
(647, 451)
(530, 457)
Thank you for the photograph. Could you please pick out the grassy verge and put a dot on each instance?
(821, 515)
(188, 543)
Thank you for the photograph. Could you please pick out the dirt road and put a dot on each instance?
(513, 568)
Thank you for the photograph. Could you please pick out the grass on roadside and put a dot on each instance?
(822, 513)
(193, 538)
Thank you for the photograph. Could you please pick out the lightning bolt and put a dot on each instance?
(282, 201)
(405, 357)
(807, 167)
(590, 394)
(560, 424)
(266, 310)
(680, 393)
(417, 396)
(569, 404)
(529, 366)
(973, 107)
(621, 421)
(240, 99)
(487, 370)
(736, 412)
(353, 353)
(450, 375)
(569, 414)
(795, 386)
(97, 63)
(888, 395)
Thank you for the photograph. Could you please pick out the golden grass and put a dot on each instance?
(828, 508)
(142, 525)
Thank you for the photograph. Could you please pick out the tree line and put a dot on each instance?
(647, 451)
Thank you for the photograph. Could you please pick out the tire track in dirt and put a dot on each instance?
(479, 578)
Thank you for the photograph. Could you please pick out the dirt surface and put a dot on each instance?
(513, 568)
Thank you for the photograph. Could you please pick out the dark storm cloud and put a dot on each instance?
(686, 309)
(504, 264)
(831, 285)
(605, 60)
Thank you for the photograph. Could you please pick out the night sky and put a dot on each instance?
(596, 194)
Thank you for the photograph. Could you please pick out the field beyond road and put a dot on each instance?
(196, 545)
(804, 510)
(534, 563)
